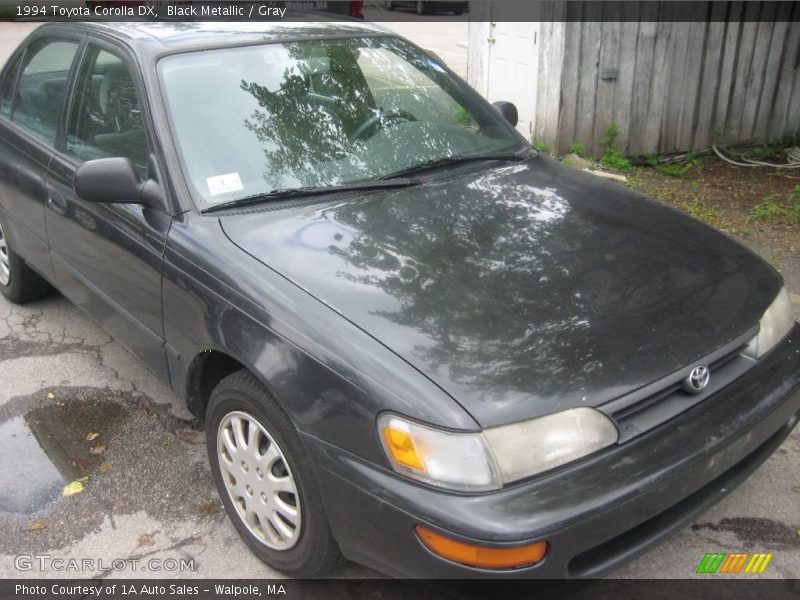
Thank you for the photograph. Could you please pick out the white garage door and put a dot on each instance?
(512, 64)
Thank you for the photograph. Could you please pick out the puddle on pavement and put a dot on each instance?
(48, 447)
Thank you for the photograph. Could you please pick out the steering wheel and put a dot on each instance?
(379, 119)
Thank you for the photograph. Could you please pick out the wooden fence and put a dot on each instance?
(669, 85)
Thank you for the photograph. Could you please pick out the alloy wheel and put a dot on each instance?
(259, 481)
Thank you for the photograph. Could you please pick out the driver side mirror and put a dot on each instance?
(508, 110)
(115, 180)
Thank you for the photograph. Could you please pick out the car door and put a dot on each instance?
(108, 257)
(32, 95)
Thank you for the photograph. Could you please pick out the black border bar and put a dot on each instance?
(710, 588)
(478, 11)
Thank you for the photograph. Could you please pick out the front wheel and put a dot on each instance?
(265, 479)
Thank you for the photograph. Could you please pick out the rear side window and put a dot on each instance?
(106, 118)
(7, 86)
(42, 87)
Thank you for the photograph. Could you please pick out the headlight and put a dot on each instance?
(776, 323)
(459, 461)
(498, 455)
(523, 449)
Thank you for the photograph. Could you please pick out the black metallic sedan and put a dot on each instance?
(415, 342)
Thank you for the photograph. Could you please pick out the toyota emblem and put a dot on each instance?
(697, 380)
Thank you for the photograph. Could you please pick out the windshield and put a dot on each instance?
(252, 120)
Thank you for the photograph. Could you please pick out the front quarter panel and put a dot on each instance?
(331, 377)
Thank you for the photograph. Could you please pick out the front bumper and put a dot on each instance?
(596, 514)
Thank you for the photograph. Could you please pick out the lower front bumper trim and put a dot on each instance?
(601, 559)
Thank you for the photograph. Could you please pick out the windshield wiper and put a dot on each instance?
(456, 159)
(283, 194)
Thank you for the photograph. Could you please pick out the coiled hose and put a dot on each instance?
(792, 159)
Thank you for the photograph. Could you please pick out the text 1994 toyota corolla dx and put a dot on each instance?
(415, 342)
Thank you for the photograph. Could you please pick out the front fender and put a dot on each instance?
(330, 377)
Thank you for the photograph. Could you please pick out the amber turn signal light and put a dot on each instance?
(402, 448)
(481, 556)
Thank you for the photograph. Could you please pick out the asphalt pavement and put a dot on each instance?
(79, 413)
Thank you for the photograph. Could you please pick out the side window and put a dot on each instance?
(7, 87)
(42, 86)
(106, 117)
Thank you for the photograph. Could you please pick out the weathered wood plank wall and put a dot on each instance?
(673, 86)
(670, 86)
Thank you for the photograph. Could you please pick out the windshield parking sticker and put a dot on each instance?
(222, 184)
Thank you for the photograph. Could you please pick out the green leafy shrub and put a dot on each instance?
(541, 146)
(613, 157)
(577, 148)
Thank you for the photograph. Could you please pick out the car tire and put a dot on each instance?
(18, 282)
(305, 550)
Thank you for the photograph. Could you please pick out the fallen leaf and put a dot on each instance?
(51, 395)
(98, 449)
(106, 466)
(91, 436)
(76, 487)
(36, 526)
(84, 478)
(146, 539)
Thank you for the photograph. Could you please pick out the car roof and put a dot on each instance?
(156, 38)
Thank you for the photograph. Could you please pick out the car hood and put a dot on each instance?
(522, 289)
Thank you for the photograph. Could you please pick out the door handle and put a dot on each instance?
(57, 202)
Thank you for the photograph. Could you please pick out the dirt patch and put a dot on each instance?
(757, 204)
